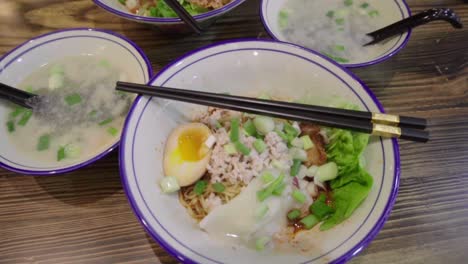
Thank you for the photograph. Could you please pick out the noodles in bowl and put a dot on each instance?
(188, 223)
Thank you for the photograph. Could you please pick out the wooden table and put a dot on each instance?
(84, 217)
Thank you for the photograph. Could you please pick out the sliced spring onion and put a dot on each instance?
(339, 47)
(307, 142)
(268, 191)
(373, 13)
(261, 242)
(302, 172)
(104, 63)
(72, 151)
(320, 209)
(294, 214)
(295, 167)
(113, 131)
(330, 13)
(264, 124)
(261, 211)
(249, 127)
(200, 187)
(267, 177)
(298, 154)
(279, 190)
(230, 149)
(364, 5)
(234, 134)
(283, 18)
(10, 126)
(282, 135)
(106, 121)
(327, 172)
(279, 126)
(312, 170)
(25, 117)
(169, 184)
(43, 143)
(61, 154)
(242, 148)
(73, 99)
(219, 187)
(259, 145)
(291, 131)
(299, 196)
(309, 221)
(335, 58)
(348, 2)
(16, 112)
(298, 143)
(339, 21)
(278, 165)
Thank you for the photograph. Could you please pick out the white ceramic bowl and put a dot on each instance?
(37, 52)
(246, 67)
(174, 25)
(395, 10)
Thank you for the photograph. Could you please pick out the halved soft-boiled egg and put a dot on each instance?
(187, 152)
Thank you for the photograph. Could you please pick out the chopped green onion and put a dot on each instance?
(10, 126)
(282, 135)
(242, 148)
(298, 143)
(268, 191)
(267, 177)
(230, 149)
(373, 13)
(339, 21)
(309, 221)
(294, 214)
(104, 63)
(72, 151)
(61, 154)
(218, 124)
(92, 113)
(295, 167)
(234, 134)
(43, 143)
(219, 187)
(307, 142)
(261, 211)
(364, 5)
(16, 112)
(264, 124)
(298, 154)
(339, 47)
(200, 187)
(279, 190)
(29, 89)
(73, 99)
(299, 196)
(278, 165)
(249, 127)
(283, 18)
(330, 13)
(320, 209)
(113, 131)
(302, 172)
(107, 121)
(291, 131)
(169, 184)
(25, 117)
(260, 243)
(259, 145)
(327, 172)
(312, 170)
(348, 2)
(335, 58)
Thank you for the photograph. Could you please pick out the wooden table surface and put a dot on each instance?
(84, 217)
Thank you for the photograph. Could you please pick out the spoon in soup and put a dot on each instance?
(419, 19)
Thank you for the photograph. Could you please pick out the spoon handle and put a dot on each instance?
(14, 95)
(419, 19)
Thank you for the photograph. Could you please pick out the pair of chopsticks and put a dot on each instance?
(184, 15)
(15, 96)
(409, 128)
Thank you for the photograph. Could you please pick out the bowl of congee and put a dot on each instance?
(337, 28)
(77, 116)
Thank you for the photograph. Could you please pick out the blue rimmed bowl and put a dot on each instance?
(248, 67)
(38, 52)
(169, 25)
(394, 10)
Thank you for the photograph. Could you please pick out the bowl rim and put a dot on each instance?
(127, 15)
(185, 259)
(102, 154)
(393, 51)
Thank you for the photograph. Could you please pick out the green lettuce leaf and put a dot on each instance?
(163, 10)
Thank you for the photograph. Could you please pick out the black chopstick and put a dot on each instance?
(403, 121)
(15, 96)
(184, 15)
(291, 114)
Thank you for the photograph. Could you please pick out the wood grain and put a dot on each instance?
(84, 217)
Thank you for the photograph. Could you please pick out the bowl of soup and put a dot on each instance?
(77, 117)
(158, 13)
(337, 28)
(218, 186)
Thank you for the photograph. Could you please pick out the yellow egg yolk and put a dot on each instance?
(191, 144)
